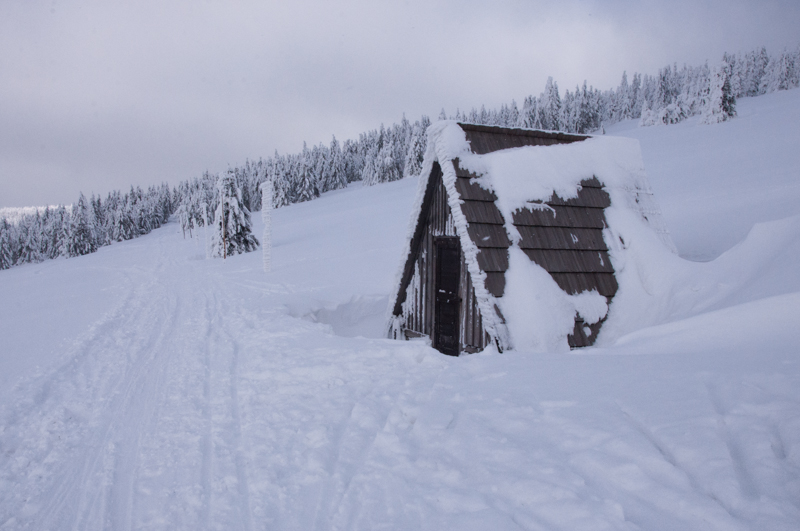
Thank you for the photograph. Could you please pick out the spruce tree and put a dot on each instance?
(232, 232)
(550, 105)
(335, 171)
(307, 187)
(5, 244)
(416, 151)
(81, 233)
(721, 103)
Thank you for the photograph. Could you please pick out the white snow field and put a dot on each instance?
(145, 387)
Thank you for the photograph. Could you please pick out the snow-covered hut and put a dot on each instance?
(512, 240)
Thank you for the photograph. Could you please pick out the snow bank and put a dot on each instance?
(657, 286)
(714, 183)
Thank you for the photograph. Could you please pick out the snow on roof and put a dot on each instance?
(535, 313)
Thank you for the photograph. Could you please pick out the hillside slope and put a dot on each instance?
(146, 387)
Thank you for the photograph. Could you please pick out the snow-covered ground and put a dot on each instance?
(144, 387)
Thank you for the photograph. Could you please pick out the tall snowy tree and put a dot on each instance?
(779, 74)
(530, 116)
(335, 175)
(81, 234)
(550, 105)
(307, 187)
(371, 173)
(622, 104)
(416, 151)
(232, 232)
(721, 104)
(5, 244)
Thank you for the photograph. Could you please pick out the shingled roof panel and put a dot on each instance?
(482, 212)
(561, 238)
(485, 235)
(471, 191)
(560, 216)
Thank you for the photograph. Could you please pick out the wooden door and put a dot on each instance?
(448, 271)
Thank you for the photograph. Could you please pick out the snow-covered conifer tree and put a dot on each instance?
(81, 235)
(389, 169)
(336, 174)
(185, 218)
(232, 232)
(779, 74)
(637, 96)
(370, 174)
(622, 104)
(307, 187)
(416, 151)
(550, 105)
(5, 245)
(721, 104)
(353, 160)
(647, 117)
(31, 235)
(530, 116)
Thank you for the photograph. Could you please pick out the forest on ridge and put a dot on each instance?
(393, 152)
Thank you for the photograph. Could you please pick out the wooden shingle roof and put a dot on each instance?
(562, 236)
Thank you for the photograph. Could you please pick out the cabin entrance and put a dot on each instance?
(448, 272)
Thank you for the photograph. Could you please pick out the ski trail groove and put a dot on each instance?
(81, 431)
(747, 483)
(207, 452)
(241, 468)
(670, 458)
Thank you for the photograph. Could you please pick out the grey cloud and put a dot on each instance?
(101, 95)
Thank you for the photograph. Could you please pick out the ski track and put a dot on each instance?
(186, 408)
(87, 450)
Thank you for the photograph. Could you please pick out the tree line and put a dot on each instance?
(391, 153)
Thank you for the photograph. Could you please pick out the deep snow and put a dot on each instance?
(144, 387)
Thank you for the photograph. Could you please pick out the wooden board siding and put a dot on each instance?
(473, 337)
(419, 313)
(418, 308)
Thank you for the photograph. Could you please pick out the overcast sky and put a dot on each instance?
(96, 96)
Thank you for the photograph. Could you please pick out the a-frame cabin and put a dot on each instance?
(453, 279)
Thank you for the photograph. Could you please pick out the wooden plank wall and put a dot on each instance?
(418, 309)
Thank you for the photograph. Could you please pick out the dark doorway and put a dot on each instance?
(448, 271)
